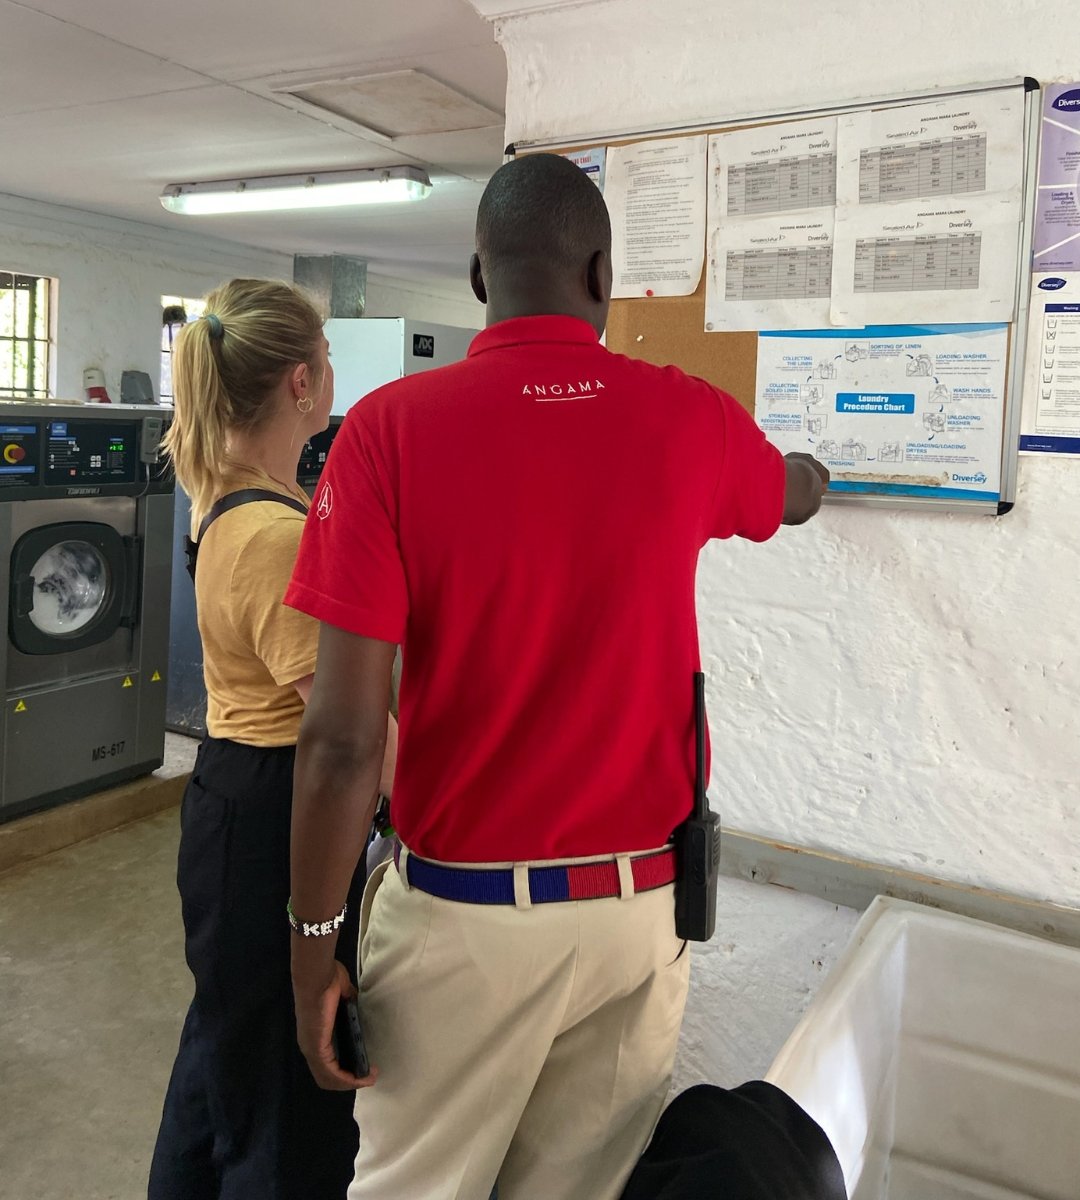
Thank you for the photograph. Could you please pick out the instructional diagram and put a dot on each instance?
(905, 410)
(1051, 415)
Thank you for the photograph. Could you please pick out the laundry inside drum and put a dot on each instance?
(71, 585)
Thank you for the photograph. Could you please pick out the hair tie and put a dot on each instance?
(217, 330)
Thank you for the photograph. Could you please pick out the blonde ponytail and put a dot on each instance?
(225, 367)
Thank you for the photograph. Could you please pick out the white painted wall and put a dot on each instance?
(113, 274)
(896, 686)
(404, 298)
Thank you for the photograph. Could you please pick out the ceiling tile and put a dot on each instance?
(47, 64)
(233, 40)
(395, 103)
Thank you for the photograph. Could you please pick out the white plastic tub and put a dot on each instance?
(942, 1058)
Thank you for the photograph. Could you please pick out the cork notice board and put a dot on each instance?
(668, 330)
(671, 330)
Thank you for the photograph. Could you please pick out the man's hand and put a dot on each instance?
(807, 480)
(316, 1008)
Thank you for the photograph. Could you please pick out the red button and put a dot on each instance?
(14, 453)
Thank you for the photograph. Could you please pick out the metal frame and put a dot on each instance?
(1014, 383)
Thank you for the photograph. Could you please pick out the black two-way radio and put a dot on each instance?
(697, 845)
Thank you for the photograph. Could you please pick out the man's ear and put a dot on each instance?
(598, 277)
(476, 279)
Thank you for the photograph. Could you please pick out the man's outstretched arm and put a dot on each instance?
(339, 760)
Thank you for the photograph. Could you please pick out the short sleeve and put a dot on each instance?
(349, 572)
(749, 497)
(285, 641)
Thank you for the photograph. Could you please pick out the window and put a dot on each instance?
(24, 336)
(176, 311)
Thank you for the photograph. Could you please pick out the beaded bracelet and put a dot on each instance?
(319, 928)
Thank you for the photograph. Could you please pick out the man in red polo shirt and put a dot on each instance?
(526, 524)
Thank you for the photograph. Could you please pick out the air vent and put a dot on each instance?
(398, 103)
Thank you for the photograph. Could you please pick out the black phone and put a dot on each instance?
(349, 1039)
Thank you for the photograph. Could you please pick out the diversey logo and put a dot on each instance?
(1068, 101)
(1051, 285)
(980, 477)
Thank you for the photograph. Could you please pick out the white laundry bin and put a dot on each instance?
(942, 1058)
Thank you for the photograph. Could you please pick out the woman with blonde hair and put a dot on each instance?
(243, 1117)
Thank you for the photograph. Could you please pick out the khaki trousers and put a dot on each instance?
(529, 1044)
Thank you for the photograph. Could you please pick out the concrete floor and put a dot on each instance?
(93, 989)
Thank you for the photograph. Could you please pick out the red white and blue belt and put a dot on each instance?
(575, 881)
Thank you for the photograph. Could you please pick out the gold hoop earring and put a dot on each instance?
(305, 404)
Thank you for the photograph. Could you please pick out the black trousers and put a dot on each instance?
(243, 1117)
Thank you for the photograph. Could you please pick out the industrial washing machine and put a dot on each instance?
(86, 515)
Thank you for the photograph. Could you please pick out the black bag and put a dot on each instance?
(750, 1143)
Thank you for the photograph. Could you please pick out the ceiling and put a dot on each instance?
(105, 102)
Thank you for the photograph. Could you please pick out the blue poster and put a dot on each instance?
(896, 410)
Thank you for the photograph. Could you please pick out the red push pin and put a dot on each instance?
(648, 291)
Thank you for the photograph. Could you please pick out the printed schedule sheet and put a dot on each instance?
(928, 202)
(772, 192)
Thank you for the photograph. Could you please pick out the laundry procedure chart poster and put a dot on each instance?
(901, 410)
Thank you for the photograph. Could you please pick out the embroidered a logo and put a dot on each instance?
(325, 503)
(580, 389)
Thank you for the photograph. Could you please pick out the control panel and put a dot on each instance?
(62, 454)
(90, 452)
(313, 456)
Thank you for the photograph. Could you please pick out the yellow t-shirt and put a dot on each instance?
(254, 648)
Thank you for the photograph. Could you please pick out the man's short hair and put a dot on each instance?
(540, 208)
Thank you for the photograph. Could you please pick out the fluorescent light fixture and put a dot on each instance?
(279, 193)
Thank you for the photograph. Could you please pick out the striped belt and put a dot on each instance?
(495, 885)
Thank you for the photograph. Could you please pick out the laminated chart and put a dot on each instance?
(1051, 415)
(929, 198)
(770, 220)
(895, 410)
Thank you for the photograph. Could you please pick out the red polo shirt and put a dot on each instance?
(527, 524)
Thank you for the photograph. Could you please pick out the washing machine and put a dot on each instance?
(186, 700)
(86, 517)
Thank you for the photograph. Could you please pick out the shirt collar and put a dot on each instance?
(524, 330)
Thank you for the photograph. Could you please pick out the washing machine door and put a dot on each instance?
(72, 586)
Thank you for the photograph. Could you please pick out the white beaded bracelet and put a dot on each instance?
(319, 928)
